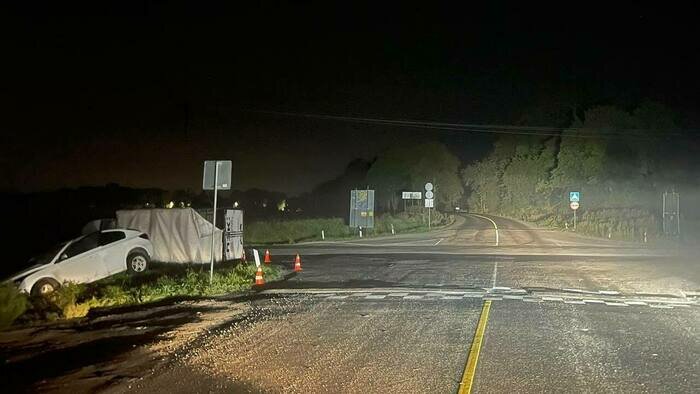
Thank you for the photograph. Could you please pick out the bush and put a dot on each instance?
(13, 304)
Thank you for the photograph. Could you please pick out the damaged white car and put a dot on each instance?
(87, 259)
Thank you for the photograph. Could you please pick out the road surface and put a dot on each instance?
(565, 313)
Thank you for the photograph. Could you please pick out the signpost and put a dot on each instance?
(217, 176)
(574, 198)
(429, 199)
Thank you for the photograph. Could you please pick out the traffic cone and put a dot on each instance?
(259, 280)
(268, 258)
(297, 263)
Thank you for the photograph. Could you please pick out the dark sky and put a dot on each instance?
(140, 93)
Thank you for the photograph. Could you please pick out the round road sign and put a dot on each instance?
(574, 205)
(428, 186)
(428, 194)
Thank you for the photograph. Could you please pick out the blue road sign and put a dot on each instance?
(574, 196)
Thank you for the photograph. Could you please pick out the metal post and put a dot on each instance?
(663, 213)
(574, 220)
(392, 229)
(678, 213)
(428, 218)
(213, 221)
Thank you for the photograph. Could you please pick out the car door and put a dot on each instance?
(81, 261)
(113, 252)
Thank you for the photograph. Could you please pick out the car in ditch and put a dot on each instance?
(86, 259)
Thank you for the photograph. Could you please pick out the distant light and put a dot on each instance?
(282, 205)
(169, 205)
(235, 204)
(456, 208)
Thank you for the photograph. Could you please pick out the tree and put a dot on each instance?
(407, 168)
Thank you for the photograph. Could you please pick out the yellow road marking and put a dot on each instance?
(465, 386)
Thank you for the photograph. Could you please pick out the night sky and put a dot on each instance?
(140, 93)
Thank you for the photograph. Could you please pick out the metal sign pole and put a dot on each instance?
(574, 220)
(213, 222)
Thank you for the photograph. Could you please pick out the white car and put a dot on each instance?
(87, 259)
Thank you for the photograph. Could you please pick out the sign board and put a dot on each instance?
(362, 208)
(574, 196)
(411, 195)
(223, 174)
(429, 203)
(429, 194)
(574, 205)
(233, 234)
(428, 186)
(257, 257)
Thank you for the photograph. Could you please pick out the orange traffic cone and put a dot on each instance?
(297, 263)
(268, 258)
(259, 280)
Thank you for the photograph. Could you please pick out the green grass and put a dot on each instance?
(12, 304)
(616, 223)
(161, 281)
(299, 230)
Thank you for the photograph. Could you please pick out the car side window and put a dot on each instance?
(109, 237)
(83, 245)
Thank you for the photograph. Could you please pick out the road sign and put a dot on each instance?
(222, 174)
(429, 202)
(574, 205)
(411, 195)
(574, 197)
(428, 186)
(362, 208)
(429, 194)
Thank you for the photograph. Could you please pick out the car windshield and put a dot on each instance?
(46, 257)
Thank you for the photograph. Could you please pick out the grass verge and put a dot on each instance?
(159, 282)
(299, 230)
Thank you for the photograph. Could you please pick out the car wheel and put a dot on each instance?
(44, 287)
(137, 262)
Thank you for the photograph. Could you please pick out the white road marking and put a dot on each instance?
(594, 301)
(338, 297)
(637, 303)
(413, 297)
(376, 297)
(495, 273)
(612, 303)
(495, 226)
(575, 302)
(552, 299)
(438, 242)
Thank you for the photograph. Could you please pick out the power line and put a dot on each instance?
(572, 132)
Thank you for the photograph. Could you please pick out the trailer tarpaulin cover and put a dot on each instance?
(178, 235)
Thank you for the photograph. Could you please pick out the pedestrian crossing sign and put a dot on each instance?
(574, 196)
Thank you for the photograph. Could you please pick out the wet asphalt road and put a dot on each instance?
(567, 314)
